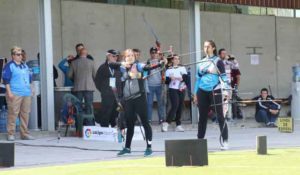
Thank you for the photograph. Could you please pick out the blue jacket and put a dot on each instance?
(209, 74)
(65, 69)
(18, 77)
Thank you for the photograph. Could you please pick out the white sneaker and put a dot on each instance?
(164, 127)
(179, 128)
(225, 146)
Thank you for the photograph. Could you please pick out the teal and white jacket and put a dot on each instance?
(210, 74)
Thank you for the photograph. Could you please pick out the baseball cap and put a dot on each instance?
(153, 49)
(113, 52)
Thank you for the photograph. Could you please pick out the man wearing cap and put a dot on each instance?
(155, 86)
(108, 79)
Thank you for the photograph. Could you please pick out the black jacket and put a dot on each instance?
(102, 79)
(266, 105)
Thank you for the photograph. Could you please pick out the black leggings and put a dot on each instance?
(176, 99)
(205, 100)
(134, 107)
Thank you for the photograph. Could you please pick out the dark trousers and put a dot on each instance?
(88, 100)
(265, 116)
(205, 100)
(108, 113)
(176, 98)
(134, 107)
(236, 111)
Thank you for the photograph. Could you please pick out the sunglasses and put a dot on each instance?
(18, 54)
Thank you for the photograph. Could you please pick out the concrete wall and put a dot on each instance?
(103, 26)
(216, 27)
(278, 36)
(19, 26)
(99, 26)
(258, 31)
(288, 39)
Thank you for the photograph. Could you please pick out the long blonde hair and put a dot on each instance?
(128, 56)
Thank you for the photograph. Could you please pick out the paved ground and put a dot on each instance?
(46, 150)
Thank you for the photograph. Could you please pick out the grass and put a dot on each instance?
(277, 162)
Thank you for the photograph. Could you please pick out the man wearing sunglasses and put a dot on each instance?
(17, 80)
(108, 78)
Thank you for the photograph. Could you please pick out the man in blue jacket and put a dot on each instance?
(267, 110)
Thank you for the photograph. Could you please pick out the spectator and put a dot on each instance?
(78, 48)
(17, 81)
(82, 71)
(55, 73)
(107, 77)
(176, 78)
(155, 87)
(64, 66)
(224, 57)
(137, 53)
(235, 83)
(235, 71)
(227, 65)
(55, 76)
(267, 110)
(24, 56)
(3, 61)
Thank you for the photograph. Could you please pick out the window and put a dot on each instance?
(215, 7)
(285, 12)
(256, 10)
(297, 13)
(248, 10)
(271, 11)
(174, 4)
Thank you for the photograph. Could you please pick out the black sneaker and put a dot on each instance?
(124, 152)
(148, 152)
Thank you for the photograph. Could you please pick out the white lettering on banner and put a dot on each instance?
(107, 134)
(99, 133)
